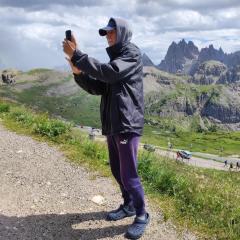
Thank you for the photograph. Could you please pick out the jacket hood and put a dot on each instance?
(124, 32)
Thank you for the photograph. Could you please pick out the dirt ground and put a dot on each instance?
(45, 197)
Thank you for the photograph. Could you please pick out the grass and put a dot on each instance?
(87, 108)
(65, 106)
(200, 199)
(219, 143)
(83, 109)
(4, 108)
(38, 71)
(191, 93)
(199, 195)
(38, 124)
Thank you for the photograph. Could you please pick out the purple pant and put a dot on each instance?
(123, 161)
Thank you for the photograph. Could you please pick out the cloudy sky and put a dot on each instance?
(32, 30)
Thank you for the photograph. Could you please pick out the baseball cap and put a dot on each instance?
(110, 26)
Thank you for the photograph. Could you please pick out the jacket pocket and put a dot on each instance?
(126, 110)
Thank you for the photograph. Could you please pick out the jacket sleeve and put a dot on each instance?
(111, 73)
(89, 84)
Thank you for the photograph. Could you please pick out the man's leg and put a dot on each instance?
(127, 144)
(128, 147)
(127, 208)
(115, 167)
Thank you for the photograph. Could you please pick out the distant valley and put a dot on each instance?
(190, 90)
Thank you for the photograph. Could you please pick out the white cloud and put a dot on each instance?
(35, 29)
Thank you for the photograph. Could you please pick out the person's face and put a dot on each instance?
(111, 37)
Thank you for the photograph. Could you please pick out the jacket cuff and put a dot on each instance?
(76, 55)
(75, 75)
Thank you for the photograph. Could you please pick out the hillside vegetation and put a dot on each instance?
(205, 200)
(56, 93)
(176, 109)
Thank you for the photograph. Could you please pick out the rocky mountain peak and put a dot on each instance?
(178, 55)
(190, 43)
(211, 47)
(220, 50)
(184, 57)
(210, 53)
(209, 72)
(146, 60)
(182, 43)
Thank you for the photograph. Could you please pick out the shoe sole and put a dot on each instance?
(116, 219)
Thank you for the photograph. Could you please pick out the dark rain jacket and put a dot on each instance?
(120, 82)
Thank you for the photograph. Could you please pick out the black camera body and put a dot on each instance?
(68, 34)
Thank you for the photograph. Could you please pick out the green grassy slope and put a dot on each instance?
(57, 93)
(202, 200)
(78, 106)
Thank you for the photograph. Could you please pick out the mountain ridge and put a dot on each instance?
(185, 57)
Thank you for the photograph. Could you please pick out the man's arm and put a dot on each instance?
(89, 84)
(111, 72)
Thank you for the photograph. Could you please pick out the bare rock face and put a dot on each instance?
(179, 56)
(209, 72)
(210, 53)
(233, 59)
(8, 76)
(231, 76)
(185, 58)
(224, 114)
(146, 60)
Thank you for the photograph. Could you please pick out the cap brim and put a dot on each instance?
(103, 31)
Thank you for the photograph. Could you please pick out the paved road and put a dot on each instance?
(212, 161)
(196, 161)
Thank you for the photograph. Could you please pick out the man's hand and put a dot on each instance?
(74, 69)
(73, 40)
(69, 46)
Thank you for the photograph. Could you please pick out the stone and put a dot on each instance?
(98, 199)
(8, 76)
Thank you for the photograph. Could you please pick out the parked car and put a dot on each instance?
(149, 147)
(184, 154)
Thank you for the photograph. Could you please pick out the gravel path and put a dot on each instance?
(45, 197)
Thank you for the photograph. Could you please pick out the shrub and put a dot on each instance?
(213, 128)
(95, 151)
(161, 178)
(200, 195)
(22, 117)
(50, 128)
(4, 108)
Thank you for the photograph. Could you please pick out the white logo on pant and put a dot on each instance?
(124, 141)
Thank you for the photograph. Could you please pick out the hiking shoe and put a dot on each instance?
(120, 213)
(137, 228)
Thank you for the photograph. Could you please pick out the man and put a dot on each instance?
(120, 83)
(237, 165)
(225, 163)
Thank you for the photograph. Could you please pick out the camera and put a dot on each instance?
(68, 35)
